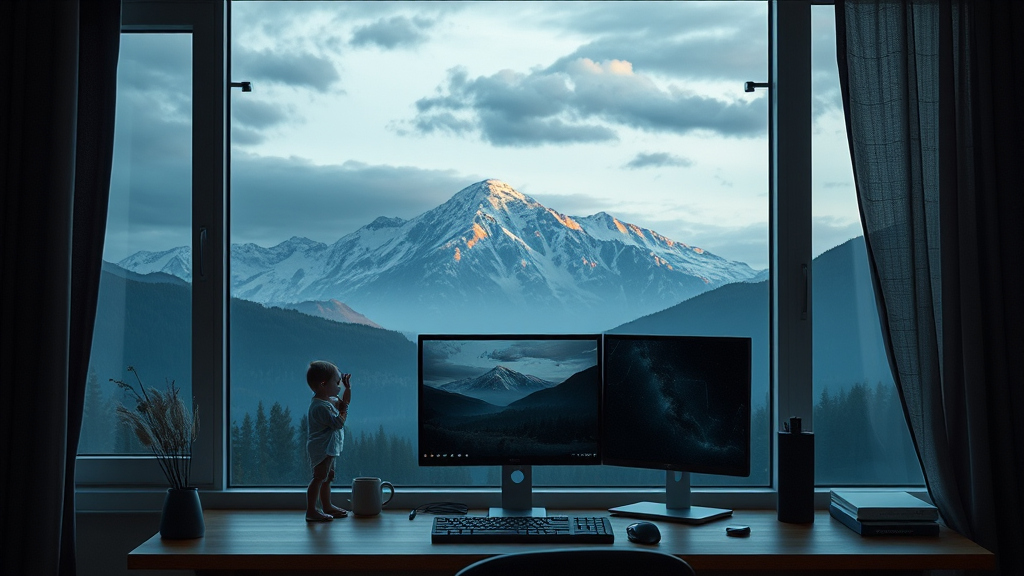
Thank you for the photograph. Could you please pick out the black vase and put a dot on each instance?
(182, 517)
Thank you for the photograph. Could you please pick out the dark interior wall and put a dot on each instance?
(105, 539)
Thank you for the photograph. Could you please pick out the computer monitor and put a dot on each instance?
(679, 404)
(509, 400)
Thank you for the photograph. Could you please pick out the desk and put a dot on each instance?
(265, 541)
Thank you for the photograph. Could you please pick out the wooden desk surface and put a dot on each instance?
(281, 540)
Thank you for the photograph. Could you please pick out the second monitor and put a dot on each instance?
(680, 404)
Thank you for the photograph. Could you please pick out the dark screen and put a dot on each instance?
(509, 399)
(677, 403)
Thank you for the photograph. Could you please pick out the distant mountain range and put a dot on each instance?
(499, 385)
(489, 259)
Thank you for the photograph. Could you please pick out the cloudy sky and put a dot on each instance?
(362, 110)
(446, 361)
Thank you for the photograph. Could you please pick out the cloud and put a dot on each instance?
(252, 119)
(256, 114)
(275, 198)
(155, 63)
(657, 160)
(584, 101)
(692, 40)
(558, 351)
(438, 369)
(294, 69)
(394, 32)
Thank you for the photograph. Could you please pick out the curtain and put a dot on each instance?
(58, 63)
(929, 90)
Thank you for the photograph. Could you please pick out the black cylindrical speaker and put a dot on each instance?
(796, 477)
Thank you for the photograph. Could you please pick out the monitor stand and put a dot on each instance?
(677, 504)
(517, 493)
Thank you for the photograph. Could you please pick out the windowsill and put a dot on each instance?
(150, 499)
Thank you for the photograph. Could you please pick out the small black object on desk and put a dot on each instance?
(643, 533)
(796, 474)
(737, 531)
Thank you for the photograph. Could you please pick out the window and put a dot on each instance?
(861, 436)
(166, 189)
(498, 167)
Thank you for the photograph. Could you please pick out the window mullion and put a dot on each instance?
(790, 111)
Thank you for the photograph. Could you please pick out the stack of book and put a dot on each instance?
(884, 513)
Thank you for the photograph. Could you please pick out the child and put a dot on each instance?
(325, 436)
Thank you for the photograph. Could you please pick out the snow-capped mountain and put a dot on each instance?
(176, 262)
(490, 259)
(499, 386)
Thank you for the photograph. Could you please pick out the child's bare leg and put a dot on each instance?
(320, 473)
(325, 497)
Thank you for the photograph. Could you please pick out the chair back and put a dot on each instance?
(561, 562)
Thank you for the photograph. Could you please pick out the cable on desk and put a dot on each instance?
(440, 508)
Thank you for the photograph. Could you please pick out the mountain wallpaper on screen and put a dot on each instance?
(489, 251)
(499, 385)
(550, 422)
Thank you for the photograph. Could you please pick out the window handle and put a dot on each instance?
(244, 85)
(749, 86)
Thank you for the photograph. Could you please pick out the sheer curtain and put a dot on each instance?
(931, 92)
(58, 66)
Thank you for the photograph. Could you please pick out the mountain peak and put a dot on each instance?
(385, 222)
(499, 385)
(299, 242)
(498, 194)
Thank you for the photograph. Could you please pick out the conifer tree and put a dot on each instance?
(96, 421)
(237, 452)
(280, 449)
(300, 462)
(260, 441)
(245, 452)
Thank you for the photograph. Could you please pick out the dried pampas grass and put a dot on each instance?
(162, 422)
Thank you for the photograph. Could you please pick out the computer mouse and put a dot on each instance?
(643, 533)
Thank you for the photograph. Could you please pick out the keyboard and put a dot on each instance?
(522, 529)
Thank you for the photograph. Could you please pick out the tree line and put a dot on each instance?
(860, 438)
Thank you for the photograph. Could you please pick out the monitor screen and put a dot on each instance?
(677, 403)
(509, 400)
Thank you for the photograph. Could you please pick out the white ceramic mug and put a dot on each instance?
(368, 495)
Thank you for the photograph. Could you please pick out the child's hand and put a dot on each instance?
(345, 380)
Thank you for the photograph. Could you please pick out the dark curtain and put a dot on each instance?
(58, 65)
(931, 91)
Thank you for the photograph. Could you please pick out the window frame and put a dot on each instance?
(205, 21)
(133, 482)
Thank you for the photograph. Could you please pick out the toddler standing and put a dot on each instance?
(325, 436)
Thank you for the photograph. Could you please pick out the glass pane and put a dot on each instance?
(493, 167)
(860, 432)
(144, 314)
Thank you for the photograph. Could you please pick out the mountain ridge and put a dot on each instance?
(499, 385)
(488, 248)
